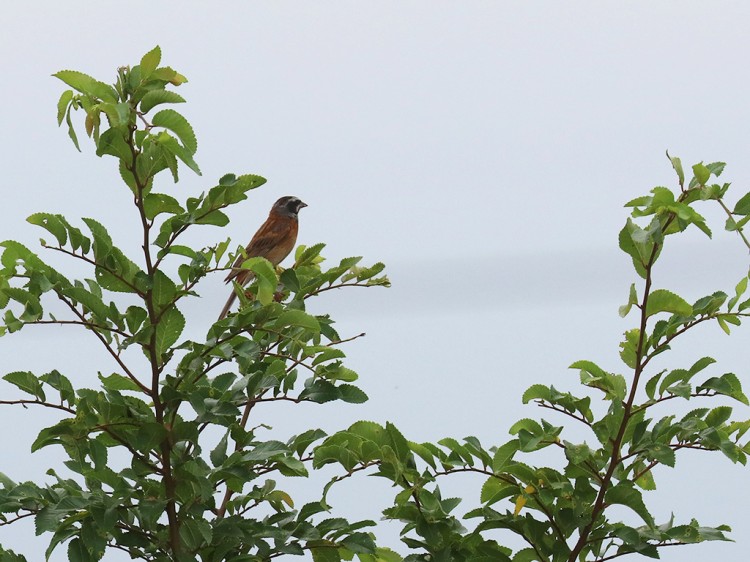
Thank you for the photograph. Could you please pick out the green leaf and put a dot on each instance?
(195, 533)
(175, 122)
(728, 384)
(677, 165)
(716, 168)
(52, 224)
(60, 383)
(299, 318)
(632, 299)
(118, 114)
(219, 454)
(118, 382)
(163, 290)
(536, 392)
(112, 142)
(742, 207)
(320, 391)
(352, 394)
(629, 348)
(266, 275)
(360, 543)
(150, 62)
(169, 329)
(639, 243)
(27, 382)
(661, 453)
(323, 551)
(62, 105)
(157, 97)
(77, 552)
(662, 300)
(739, 290)
(90, 302)
(87, 85)
(494, 489)
(702, 173)
(156, 203)
(170, 143)
(624, 494)
(718, 416)
(71, 130)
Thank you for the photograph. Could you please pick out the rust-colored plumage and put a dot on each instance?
(274, 240)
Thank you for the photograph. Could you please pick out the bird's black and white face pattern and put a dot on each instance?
(289, 205)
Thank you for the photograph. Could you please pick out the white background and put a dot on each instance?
(482, 150)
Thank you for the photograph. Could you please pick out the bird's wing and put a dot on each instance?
(265, 244)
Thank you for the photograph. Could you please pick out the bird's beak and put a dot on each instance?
(302, 204)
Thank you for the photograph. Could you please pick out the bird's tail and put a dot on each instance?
(230, 302)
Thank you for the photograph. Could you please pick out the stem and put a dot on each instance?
(729, 214)
(165, 446)
(243, 422)
(599, 503)
(25, 403)
(105, 343)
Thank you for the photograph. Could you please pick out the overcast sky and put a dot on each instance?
(482, 150)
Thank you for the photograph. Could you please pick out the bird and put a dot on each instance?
(274, 241)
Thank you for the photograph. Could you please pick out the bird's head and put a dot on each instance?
(288, 205)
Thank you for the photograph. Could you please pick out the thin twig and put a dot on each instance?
(24, 403)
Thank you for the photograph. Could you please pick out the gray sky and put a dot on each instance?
(482, 150)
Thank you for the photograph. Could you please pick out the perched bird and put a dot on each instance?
(274, 240)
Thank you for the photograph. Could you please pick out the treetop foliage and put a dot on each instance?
(167, 456)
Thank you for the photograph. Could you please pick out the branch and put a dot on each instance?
(329, 287)
(108, 347)
(95, 264)
(704, 394)
(731, 216)
(86, 324)
(657, 545)
(556, 408)
(599, 504)
(686, 327)
(24, 403)
(243, 422)
(17, 518)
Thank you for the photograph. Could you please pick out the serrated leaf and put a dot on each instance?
(52, 224)
(27, 382)
(662, 300)
(157, 203)
(169, 143)
(163, 290)
(175, 122)
(677, 165)
(536, 392)
(742, 207)
(702, 173)
(62, 105)
(157, 97)
(150, 62)
(118, 382)
(266, 275)
(291, 317)
(352, 394)
(87, 85)
(624, 494)
(169, 329)
(112, 142)
(632, 299)
(718, 416)
(661, 453)
(504, 455)
(219, 454)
